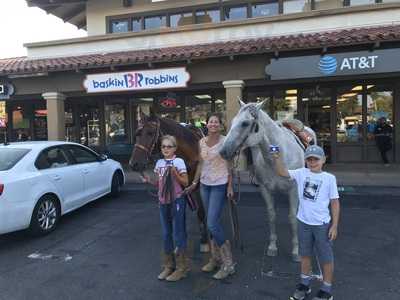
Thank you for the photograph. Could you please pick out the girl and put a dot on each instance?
(215, 185)
(172, 175)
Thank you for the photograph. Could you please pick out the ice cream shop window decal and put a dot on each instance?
(137, 80)
(168, 102)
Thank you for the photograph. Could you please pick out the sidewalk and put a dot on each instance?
(352, 179)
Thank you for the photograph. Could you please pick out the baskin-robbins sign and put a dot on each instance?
(137, 80)
(340, 64)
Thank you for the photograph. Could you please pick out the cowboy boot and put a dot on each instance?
(182, 267)
(215, 258)
(167, 265)
(228, 267)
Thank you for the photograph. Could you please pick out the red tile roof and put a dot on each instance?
(348, 37)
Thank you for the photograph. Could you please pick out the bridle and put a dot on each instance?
(149, 150)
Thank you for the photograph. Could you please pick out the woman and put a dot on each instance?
(215, 185)
(172, 175)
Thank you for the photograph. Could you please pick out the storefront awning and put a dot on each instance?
(320, 40)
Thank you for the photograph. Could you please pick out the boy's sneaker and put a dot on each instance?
(322, 295)
(301, 292)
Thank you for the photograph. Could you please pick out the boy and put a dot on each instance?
(317, 219)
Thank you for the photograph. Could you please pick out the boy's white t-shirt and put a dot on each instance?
(315, 190)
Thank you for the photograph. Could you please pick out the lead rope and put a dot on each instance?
(234, 204)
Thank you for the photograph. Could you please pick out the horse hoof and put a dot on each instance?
(296, 257)
(204, 248)
(272, 252)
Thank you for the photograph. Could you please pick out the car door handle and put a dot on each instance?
(85, 171)
(57, 177)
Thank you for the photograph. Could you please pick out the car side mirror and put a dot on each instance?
(103, 157)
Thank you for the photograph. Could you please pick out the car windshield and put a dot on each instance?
(10, 156)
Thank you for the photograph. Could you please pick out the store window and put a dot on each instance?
(136, 24)
(284, 104)
(265, 9)
(208, 16)
(21, 125)
(170, 106)
(119, 26)
(40, 123)
(295, 6)
(220, 108)
(317, 115)
(379, 106)
(155, 22)
(181, 19)
(3, 122)
(235, 13)
(361, 2)
(89, 118)
(115, 124)
(70, 125)
(197, 108)
(349, 114)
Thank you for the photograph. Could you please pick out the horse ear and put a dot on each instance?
(241, 103)
(261, 104)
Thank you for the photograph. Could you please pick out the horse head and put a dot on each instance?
(245, 130)
(146, 137)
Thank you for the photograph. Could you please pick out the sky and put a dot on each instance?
(22, 24)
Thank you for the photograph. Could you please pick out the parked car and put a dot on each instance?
(41, 181)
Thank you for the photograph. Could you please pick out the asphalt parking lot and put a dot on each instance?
(110, 250)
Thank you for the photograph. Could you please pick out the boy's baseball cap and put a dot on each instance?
(314, 151)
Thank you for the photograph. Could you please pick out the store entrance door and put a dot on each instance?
(317, 115)
(89, 118)
(359, 107)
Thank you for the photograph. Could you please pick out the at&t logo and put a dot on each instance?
(327, 65)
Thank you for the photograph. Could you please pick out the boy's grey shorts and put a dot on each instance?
(311, 236)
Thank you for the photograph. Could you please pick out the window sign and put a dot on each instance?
(137, 80)
(3, 116)
(6, 90)
(350, 63)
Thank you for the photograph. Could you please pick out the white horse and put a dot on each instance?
(253, 128)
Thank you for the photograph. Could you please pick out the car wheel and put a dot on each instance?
(116, 185)
(46, 215)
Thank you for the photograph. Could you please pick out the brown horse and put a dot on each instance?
(147, 146)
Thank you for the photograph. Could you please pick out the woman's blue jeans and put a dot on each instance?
(214, 198)
(173, 225)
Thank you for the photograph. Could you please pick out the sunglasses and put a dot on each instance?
(167, 146)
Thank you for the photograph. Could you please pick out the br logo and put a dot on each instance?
(327, 65)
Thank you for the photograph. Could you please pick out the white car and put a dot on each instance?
(41, 181)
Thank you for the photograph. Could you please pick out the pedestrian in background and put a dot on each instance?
(383, 138)
(172, 176)
(215, 179)
(317, 219)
